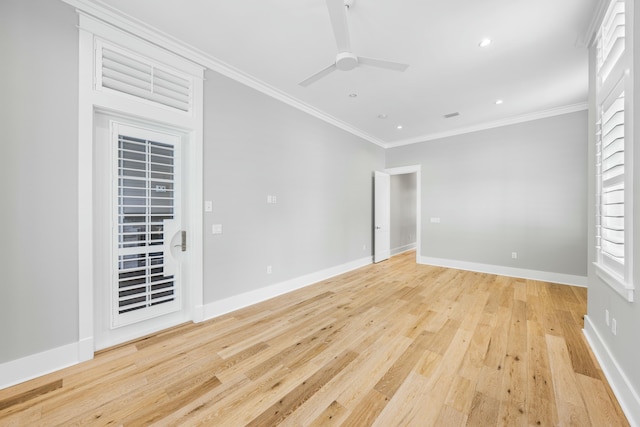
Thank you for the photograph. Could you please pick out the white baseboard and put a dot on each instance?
(35, 365)
(620, 384)
(86, 348)
(544, 276)
(402, 249)
(227, 305)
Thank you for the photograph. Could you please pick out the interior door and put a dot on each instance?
(382, 217)
(141, 289)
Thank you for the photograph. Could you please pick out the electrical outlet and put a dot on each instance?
(514, 255)
(269, 269)
(208, 206)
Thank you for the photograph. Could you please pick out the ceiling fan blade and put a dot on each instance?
(338, 16)
(317, 76)
(396, 66)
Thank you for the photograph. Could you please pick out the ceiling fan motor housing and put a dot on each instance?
(346, 61)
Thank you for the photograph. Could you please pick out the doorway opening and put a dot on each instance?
(397, 212)
(403, 219)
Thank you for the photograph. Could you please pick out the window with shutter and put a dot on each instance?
(613, 177)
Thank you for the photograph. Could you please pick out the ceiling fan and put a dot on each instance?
(346, 60)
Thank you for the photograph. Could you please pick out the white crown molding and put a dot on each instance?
(491, 125)
(133, 26)
(590, 32)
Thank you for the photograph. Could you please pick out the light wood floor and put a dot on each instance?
(389, 344)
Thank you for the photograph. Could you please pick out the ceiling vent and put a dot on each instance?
(448, 116)
(134, 75)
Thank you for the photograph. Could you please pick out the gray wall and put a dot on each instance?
(403, 211)
(624, 347)
(519, 188)
(38, 171)
(497, 191)
(322, 177)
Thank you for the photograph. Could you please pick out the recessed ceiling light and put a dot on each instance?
(499, 101)
(382, 116)
(353, 95)
(399, 127)
(448, 116)
(484, 42)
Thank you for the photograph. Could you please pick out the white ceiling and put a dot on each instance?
(537, 62)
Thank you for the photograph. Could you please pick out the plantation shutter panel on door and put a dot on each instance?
(146, 206)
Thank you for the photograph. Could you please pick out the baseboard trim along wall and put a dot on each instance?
(36, 365)
(620, 384)
(402, 249)
(236, 302)
(543, 276)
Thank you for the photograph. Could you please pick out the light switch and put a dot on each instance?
(216, 229)
(208, 206)
(435, 220)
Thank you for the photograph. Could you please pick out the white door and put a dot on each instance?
(382, 217)
(141, 287)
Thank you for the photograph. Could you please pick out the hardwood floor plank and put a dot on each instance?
(31, 394)
(484, 411)
(396, 375)
(333, 415)
(395, 343)
(581, 360)
(541, 401)
(451, 417)
(571, 406)
(602, 411)
(288, 403)
(366, 413)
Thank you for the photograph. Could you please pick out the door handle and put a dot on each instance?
(378, 227)
(183, 241)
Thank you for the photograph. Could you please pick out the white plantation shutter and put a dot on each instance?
(612, 176)
(134, 75)
(611, 37)
(146, 201)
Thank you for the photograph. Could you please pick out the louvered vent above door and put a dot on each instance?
(126, 73)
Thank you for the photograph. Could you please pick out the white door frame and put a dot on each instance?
(91, 100)
(105, 332)
(417, 169)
